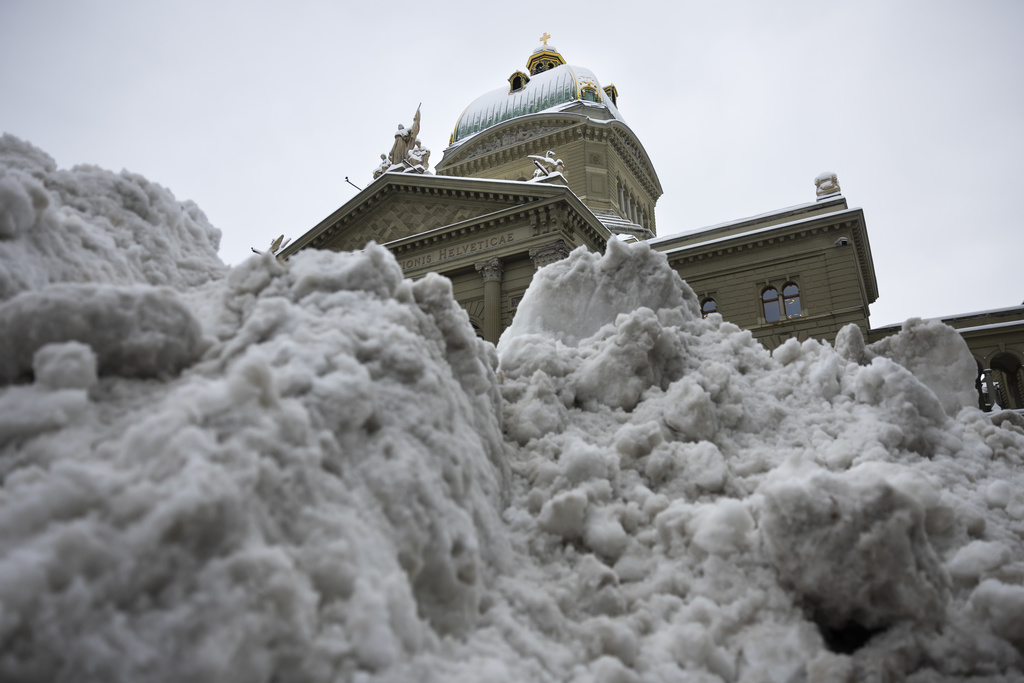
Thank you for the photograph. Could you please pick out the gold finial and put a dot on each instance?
(545, 38)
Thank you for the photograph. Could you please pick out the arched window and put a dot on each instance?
(517, 81)
(1006, 381)
(791, 299)
(612, 92)
(708, 306)
(770, 304)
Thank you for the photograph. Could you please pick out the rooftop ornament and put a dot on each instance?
(827, 185)
(549, 168)
(544, 57)
(408, 155)
(276, 245)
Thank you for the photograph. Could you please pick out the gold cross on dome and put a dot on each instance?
(545, 38)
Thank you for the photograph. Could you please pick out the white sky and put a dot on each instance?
(258, 111)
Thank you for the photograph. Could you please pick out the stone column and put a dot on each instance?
(993, 397)
(548, 253)
(491, 272)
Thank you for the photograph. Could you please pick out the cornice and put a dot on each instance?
(516, 138)
(850, 221)
(496, 142)
(867, 263)
(636, 158)
(541, 214)
(414, 184)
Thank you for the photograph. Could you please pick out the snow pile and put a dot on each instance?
(760, 516)
(301, 478)
(314, 471)
(89, 225)
(136, 331)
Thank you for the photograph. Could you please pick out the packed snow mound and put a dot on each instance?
(938, 356)
(90, 225)
(597, 288)
(314, 471)
(299, 479)
(854, 546)
(743, 515)
(318, 494)
(135, 331)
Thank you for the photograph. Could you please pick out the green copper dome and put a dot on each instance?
(547, 90)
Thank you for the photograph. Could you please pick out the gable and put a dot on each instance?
(401, 207)
(403, 215)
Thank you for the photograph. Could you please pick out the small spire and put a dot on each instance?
(544, 57)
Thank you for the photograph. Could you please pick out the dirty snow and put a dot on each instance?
(313, 471)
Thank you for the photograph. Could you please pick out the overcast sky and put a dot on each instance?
(258, 111)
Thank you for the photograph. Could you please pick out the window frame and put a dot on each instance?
(708, 300)
(783, 303)
(786, 298)
(775, 300)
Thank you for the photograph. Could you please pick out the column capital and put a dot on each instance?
(548, 253)
(490, 269)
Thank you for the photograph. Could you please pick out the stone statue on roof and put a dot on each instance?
(826, 185)
(382, 167)
(547, 165)
(419, 156)
(407, 155)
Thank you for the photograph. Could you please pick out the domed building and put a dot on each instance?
(535, 168)
(545, 163)
(558, 107)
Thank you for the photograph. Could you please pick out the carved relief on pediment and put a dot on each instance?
(401, 216)
(508, 138)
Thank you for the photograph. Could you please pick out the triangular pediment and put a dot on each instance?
(396, 206)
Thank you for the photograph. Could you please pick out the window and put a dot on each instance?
(612, 92)
(785, 308)
(708, 306)
(770, 303)
(590, 94)
(517, 81)
(1005, 379)
(791, 294)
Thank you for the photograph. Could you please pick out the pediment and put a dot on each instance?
(400, 206)
(402, 215)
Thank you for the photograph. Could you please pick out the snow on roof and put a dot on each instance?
(546, 90)
(738, 221)
(616, 223)
(1006, 310)
(992, 326)
(767, 228)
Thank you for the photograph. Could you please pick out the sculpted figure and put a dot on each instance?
(547, 164)
(407, 154)
(404, 139)
(382, 167)
(419, 156)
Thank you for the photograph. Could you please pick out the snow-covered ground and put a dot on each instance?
(314, 471)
